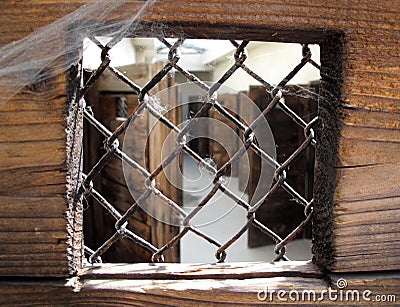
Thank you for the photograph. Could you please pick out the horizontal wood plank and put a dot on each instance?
(32, 224)
(32, 154)
(28, 237)
(368, 218)
(32, 248)
(42, 181)
(17, 265)
(366, 262)
(33, 257)
(361, 206)
(42, 269)
(382, 249)
(204, 292)
(32, 117)
(306, 14)
(372, 182)
(368, 230)
(31, 206)
(381, 238)
(203, 271)
(370, 213)
(147, 292)
(23, 132)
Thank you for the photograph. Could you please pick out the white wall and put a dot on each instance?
(271, 61)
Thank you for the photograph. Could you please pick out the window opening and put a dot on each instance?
(145, 151)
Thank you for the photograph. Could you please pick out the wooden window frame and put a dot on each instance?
(342, 40)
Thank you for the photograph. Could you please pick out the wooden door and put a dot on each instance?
(112, 102)
(281, 213)
(161, 141)
(199, 144)
(223, 143)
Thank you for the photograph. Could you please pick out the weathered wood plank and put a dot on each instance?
(360, 138)
(33, 154)
(373, 181)
(12, 265)
(28, 223)
(307, 14)
(374, 221)
(33, 257)
(366, 230)
(366, 262)
(203, 271)
(143, 292)
(35, 262)
(39, 270)
(229, 292)
(43, 181)
(367, 218)
(23, 132)
(372, 116)
(33, 207)
(28, 237)
(383, 248)
(344, 241)
(31, 117)
(367, 206)
(34, 101)
(366, 211)
(32, 248)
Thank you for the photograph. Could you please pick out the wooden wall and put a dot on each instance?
(363, 235)
(33, 225)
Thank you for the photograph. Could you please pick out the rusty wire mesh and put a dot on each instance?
(112, 148)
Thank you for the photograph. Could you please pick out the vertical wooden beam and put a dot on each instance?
(162, 232)
(366, 208)
(326, 156)
(74, 162)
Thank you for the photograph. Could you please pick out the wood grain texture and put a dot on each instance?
(202, 271)
(147, 292)
(367, 204)
(32, 182)
(319, 16)
(203, 292)
(370, 93)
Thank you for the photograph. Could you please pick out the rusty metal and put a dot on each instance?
(112, 148)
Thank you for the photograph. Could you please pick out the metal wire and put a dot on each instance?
(112, 148)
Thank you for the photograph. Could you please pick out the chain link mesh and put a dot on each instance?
(112, 148)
